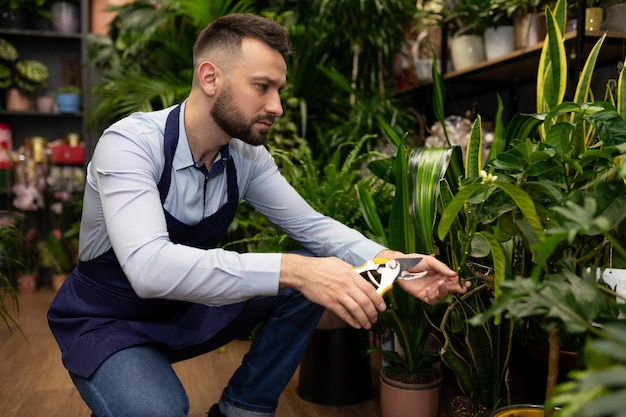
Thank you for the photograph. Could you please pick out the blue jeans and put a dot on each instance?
(139, 381)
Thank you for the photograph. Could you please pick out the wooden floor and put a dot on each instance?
(33, 382)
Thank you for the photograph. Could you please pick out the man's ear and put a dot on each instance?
(207, 77)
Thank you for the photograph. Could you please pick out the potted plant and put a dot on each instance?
(20, 78)
(528, 19)
(18, 261)
(15, 256)
(558, 183)
(466, 23)
(410, 381)
(54, 253)
(68, 99)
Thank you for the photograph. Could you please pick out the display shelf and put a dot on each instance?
(521, 65)
(63, 54)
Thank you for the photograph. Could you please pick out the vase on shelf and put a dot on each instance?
(65, 17)
(18, 100)
(529, 29)
(499, 41)
(68, 102)
(466, 51)
(593, 18)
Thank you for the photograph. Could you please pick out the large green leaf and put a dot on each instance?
(474, 152)
(584, 81)
(401, 228)
(426, 167)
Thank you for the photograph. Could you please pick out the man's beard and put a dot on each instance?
(229, 117)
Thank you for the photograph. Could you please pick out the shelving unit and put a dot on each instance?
(55, 49)
(509, 71)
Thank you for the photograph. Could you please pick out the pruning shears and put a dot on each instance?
(388, 270)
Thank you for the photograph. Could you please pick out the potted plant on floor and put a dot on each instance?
(11, 243)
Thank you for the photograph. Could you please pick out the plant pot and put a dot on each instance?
(27, 283)
(399, 399)
(68, 103)
(616, 18)
(519, 410)
(593, 18)
(334, 369)
(461, 406)
(101, 17)
(18, 100)
(528, 30)
(466, 51)
(499, 41)
(44, 104)
(64, 17)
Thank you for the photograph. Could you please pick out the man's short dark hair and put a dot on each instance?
(228, 31)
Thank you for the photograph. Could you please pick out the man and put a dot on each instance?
(151, 288)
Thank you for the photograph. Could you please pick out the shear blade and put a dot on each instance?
(408, 263)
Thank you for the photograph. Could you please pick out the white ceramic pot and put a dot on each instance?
(466, 51)
(64, 17)
(498, 41)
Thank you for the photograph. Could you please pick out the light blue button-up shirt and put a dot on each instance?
(122, 209)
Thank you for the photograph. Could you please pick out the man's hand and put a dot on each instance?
(332, 283)
(439, 281)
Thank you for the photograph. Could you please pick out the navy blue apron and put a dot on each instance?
(96, 312)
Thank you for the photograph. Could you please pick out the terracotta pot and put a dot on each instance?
(409, 400)
(17, 100)
(44, 104)
(101, 17)
(519, 410)
(529, 29)
(27, 283)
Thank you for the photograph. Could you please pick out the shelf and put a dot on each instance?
(521, 66)
(39, 34)
(38, 114)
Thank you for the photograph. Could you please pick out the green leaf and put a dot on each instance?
(474, 154)
(369, 211)
(401, 228)
(584, 81)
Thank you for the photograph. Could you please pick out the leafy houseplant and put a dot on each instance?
(20, 78)
(68, 99)
(16, 256)
(27, 75)
(557, 191)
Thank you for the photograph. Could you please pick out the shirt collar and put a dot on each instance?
(183, 158)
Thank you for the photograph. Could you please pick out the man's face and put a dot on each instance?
(232, 120)
(250, 98)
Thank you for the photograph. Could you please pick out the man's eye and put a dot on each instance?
(262, 87)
